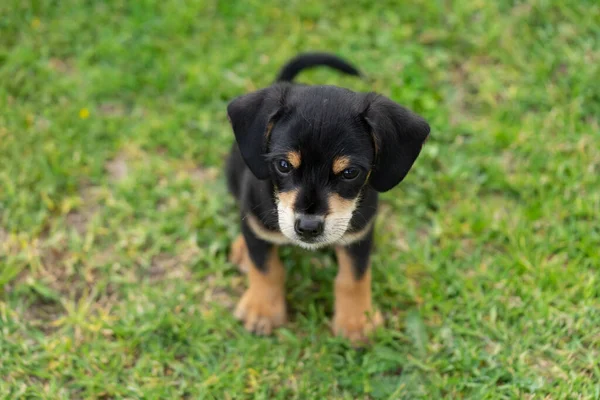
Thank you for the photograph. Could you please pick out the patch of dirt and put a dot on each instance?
(111, 109)
(78, 221)
(521, 10)
(42, 124)
(61, 66)
(459, 79)
(58, 269)
(117, 168)
(55, 270)
(492, 347)
(79, 218)
(169, 267)
(41, 314)
(166, 266)
(103, 257)
(48, 259)
(217, 294)
(3, 236)
(200, 174)
(467, 246)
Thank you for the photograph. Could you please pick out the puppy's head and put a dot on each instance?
(320, 145)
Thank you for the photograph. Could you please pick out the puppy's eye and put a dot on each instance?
(283, 166)
(350, 173)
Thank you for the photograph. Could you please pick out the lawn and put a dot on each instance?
(115, 222)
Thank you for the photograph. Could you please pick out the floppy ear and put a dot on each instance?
(252, 117)
(398, 135)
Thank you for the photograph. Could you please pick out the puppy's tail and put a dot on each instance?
(311, 60)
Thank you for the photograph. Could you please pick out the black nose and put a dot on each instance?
(308, 227)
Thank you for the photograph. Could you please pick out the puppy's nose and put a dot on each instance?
(308, 226)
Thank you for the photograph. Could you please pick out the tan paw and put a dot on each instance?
(356, 327)
(261, 313)
(239, 254)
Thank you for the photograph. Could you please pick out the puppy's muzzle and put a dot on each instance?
(309, 227)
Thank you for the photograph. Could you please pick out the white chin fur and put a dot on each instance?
(335, 228)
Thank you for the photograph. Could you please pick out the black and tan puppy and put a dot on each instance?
(306, 170)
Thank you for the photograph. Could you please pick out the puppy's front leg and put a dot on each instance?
(354, 316)
(262, 306)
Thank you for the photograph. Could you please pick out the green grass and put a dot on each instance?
(115, 222)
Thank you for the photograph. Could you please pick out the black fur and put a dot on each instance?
(310, 60)
(399, 135)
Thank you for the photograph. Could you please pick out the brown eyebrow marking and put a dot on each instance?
(340, 164)
(294, 158)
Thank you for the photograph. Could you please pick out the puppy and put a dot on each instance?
(306, 170)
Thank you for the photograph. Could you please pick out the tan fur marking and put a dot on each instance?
(294, 158)
(239, 254)
(269, 129)
(288, 199)
(354, 316)
(375, 144)
(340, 164)
(265, 234)
(339, 205)
(262, 307)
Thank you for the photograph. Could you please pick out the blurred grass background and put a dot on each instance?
(115, 222)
